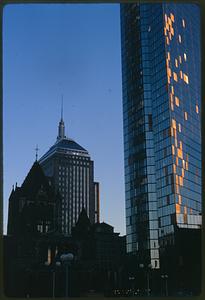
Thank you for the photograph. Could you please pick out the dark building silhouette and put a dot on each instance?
(101, 255)
(72, 170)
(182, 262)
(32, 220)
(33, 207)
(34, 244)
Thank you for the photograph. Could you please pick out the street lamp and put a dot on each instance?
(131, 279)
(66, 260)
(147, 268)
(57, 264)
(165, 277)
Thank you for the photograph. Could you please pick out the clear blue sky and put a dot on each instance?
(74, 50)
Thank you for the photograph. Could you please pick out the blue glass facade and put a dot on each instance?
(162, 134)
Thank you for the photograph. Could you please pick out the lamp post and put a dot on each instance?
(147, 268)
(131, 279)
(56, 264)
(165, 277)
(66, 261)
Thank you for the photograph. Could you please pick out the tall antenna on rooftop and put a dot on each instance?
(62, 107)
(61, 126)
(36, 149)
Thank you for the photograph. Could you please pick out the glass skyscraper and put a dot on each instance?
(162, 129)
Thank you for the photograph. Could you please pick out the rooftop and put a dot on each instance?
(64, 145)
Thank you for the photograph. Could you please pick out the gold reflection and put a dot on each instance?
(173, 149)
(176, 63)
(180, 199)
(185, 56)
(177, 189)
(49, 256)
(180, 145)
(175, 76)
(186, 78)
(177, 101)
(181, 181)
(168, 55)
(177, 161)
(178, 208)
(174, 123)
(179, 127)
(171, 101)
(177, 179)
(172, 17)
(180, 153)
(181, 74)
(197, 109)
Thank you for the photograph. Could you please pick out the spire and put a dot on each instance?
(36, 149)
(61, 126)
(62, 108)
